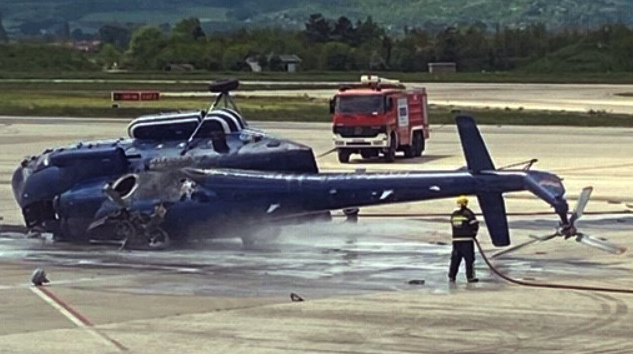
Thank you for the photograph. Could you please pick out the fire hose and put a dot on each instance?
(546, 285)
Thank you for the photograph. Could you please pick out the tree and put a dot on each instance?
(446, 46)
(317, 29)
(345, 32)
(339, 56)
(473, 48)
(403, 56)
(369, 31)
(3, 33)
(145, 45)
(234, 56)
(275, 63)
(189, 28)
(387, 47)
(115, 34)
(108, 56)
(62, 30)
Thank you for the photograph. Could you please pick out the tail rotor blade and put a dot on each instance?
(544, 238)
(583, 199)
(513, 249)
(600, 244)
(534, 239)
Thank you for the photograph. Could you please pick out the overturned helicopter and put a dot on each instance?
(207, 174)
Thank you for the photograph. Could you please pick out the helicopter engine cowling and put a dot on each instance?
(122, 189)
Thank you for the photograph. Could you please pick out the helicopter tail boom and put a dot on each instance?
(544, 185)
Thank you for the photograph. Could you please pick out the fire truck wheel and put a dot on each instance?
(369, 153)
(418, 143)
(390, 155)
(409, 150)
(343, 156)
(420, 146)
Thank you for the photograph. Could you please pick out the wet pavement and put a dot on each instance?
(221, 296)
(317, 260)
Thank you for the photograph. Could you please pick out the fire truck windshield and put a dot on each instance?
(359, 104)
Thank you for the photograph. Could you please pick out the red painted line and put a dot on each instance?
(114, 342)
(86, 322)
(67, 307)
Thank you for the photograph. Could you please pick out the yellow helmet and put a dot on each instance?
(462, 201)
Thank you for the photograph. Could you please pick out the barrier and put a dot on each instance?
(135, 96)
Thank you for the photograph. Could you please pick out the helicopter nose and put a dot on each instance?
(29, 186)
(17, 183)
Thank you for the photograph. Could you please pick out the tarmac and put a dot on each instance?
(218, 297)
(553, 97)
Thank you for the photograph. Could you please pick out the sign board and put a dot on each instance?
(403, 113)
(135, 95)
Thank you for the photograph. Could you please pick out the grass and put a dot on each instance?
(333, 76)
(104, 88)
(80, 103)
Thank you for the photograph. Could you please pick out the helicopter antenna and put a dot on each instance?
(223, 87)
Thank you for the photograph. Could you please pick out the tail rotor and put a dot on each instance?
(569, 230)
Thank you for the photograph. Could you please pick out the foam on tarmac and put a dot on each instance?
(222, 298)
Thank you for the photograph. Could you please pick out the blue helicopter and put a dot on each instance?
(208, 175)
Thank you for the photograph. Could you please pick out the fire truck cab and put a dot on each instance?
(379, 116)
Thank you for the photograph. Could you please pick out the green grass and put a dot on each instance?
(104, 88)
(93, 100)
(442, 115)
(332, 76)
(98, 104)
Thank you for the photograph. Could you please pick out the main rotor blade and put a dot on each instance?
(583, 199)
(600, 244)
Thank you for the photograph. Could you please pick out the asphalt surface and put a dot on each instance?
(555, 97)
(218, 297)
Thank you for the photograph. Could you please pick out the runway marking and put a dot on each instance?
(74, 316)
(68, 281)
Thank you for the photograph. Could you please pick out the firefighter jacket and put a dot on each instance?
(464, 224)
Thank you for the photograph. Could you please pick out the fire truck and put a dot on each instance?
(379, 116)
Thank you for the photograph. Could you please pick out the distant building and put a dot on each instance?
(442, 67)
(253, 63)
(291, 62)
(86, 46)
(179, 67)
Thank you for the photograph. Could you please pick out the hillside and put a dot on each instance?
(32, 16)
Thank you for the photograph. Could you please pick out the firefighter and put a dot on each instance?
(465, 227)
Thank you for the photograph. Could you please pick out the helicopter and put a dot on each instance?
(207, 174)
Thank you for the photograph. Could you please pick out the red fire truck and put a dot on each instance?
(379, 116)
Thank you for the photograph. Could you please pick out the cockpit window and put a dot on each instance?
(210, 129)
(359, 104)
(175, 131)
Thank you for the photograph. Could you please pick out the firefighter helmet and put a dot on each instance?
(462, 201)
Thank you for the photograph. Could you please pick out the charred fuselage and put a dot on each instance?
(61, 190)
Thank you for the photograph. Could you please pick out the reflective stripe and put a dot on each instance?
(457, 220)
(462, 239)
(473, 221)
